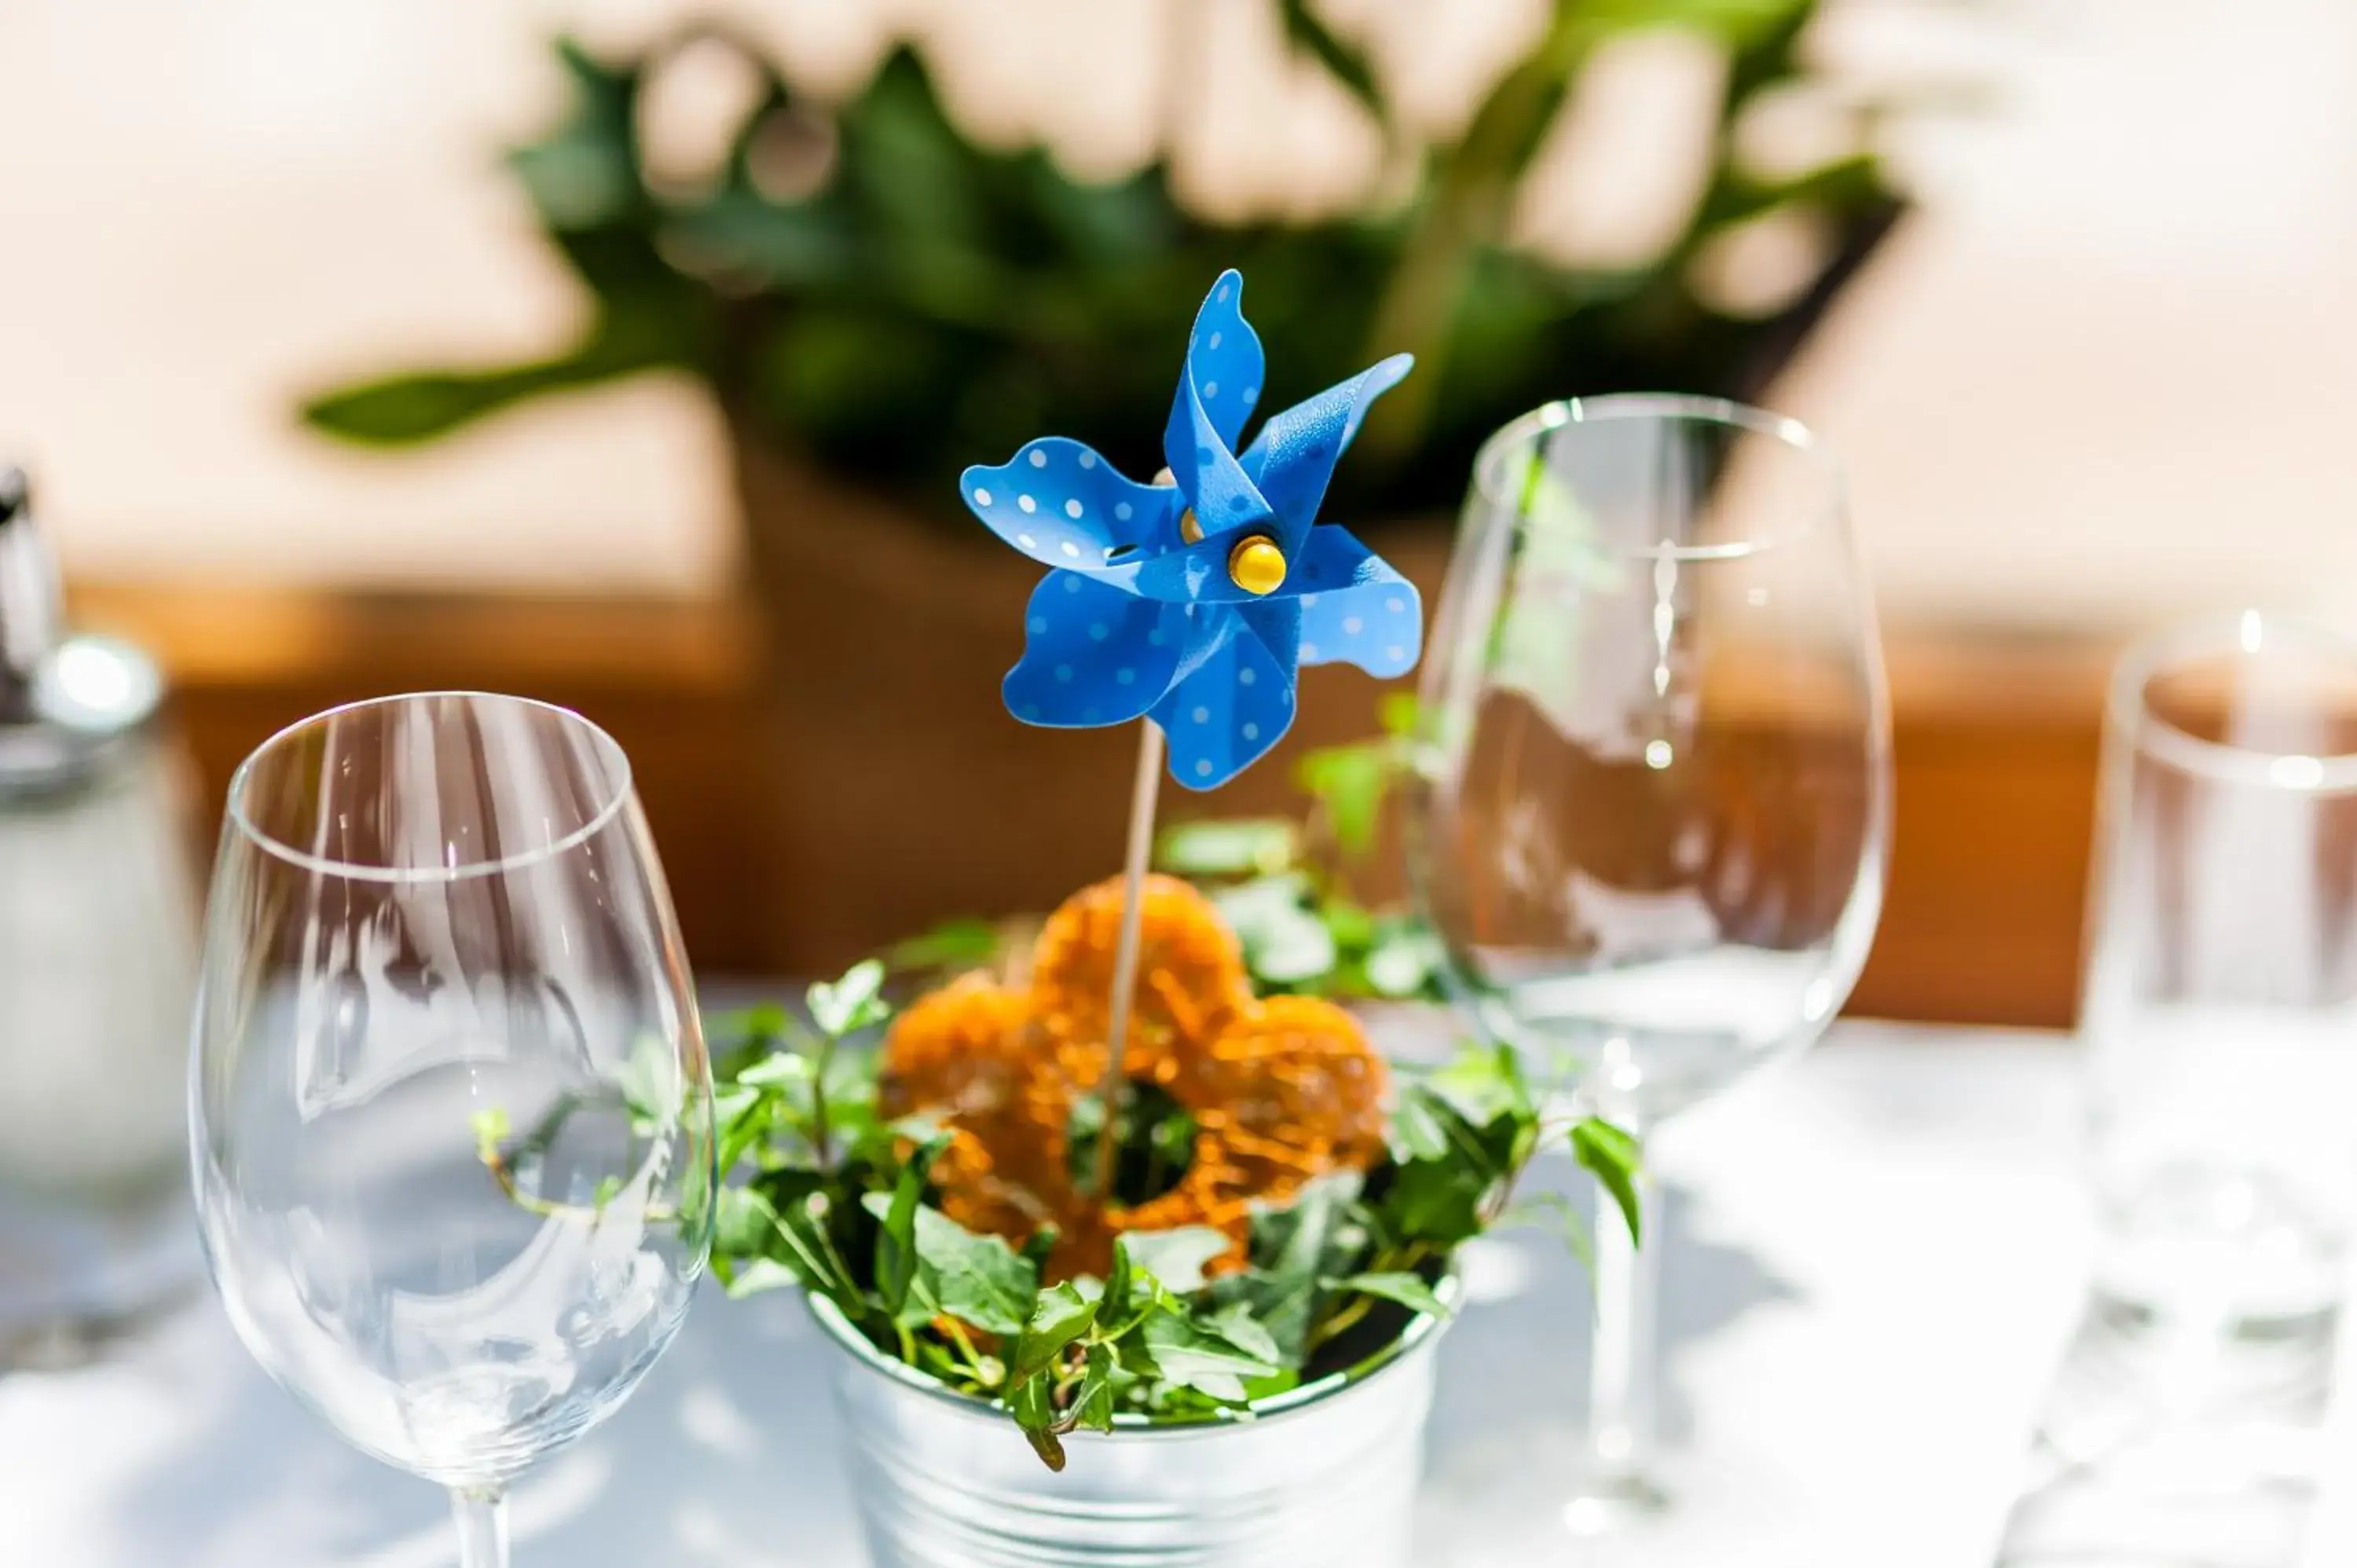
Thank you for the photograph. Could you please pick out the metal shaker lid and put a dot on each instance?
(64, 699)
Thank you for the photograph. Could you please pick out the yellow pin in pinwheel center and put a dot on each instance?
(1257, 566)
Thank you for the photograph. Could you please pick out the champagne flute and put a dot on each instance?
(451, 1116)
(1653, 801)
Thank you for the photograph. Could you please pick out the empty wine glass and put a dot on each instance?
(451, 1115)
(1652, 797)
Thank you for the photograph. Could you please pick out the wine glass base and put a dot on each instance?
(1610, 1504)
(1535, 1500)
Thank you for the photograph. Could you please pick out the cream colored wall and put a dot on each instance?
(2110, 375)
(2102, 378)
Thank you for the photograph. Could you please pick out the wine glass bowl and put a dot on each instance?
(1651, 802)
(451, 1113)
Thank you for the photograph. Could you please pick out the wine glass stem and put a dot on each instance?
(482, 1516)
(1621, 1376)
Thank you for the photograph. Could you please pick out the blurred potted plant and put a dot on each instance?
(875, 301)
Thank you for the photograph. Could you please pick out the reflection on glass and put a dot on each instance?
(452, 1117)
(1654, 786)
(2219, 1008)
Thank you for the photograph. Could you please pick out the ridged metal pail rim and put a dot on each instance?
(1420, 1331)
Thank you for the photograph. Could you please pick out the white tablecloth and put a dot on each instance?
(1875, 1259)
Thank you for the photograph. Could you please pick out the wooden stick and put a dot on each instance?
(1113, 1089)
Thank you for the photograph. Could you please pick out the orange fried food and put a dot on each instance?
(1290, 1089)
(961, 1055)
(1280, 1090)
(1190, 971)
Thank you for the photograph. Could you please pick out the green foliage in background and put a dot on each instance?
(869, 288)
(1290, 890)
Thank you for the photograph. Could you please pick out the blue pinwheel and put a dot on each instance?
(1195, 600)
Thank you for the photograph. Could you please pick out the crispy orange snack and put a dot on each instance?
(959, 1054)
(1281, 1091)
(1190, 970)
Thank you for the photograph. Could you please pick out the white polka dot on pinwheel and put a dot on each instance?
(1363, 613)
(1079, 497)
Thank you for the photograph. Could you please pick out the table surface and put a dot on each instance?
(1875, 1259)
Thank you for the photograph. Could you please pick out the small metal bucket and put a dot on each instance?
(1324, 1477)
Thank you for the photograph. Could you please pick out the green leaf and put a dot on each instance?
(1447, 1166)
(409, 409)
(850, 1003)
(1736, 23)
(742, 1114)
(653, 1086)
(953, 944)
(490, 1129)
(1485, 1080)
(1200, 1355)
(1292, 1245)
(1405, 961)
(1119, 1287)
(782, 1069)
(1417, 1129)
(1352, 928)
(1344, 63)
(1250, 846)
(1062, 1316)
(742, 1223)
(1175, 1257)
(1614, 1159)
(761, 1274)
(795, 1240)
(1033, 1404)
(1408, 1290)
(1283, 943)
(896, 1242)
(762, 1021)
(1348, 783)
(977, 1279)
(1235, 1324)
(1092, 1401)
(585, 175)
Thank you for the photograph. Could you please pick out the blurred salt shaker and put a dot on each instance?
(97, 960)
